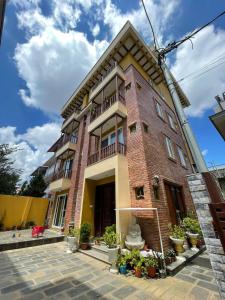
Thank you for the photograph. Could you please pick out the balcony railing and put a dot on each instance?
(62, 174)
(107, 103)
(106, 152)
(67, 138)
(104, 76)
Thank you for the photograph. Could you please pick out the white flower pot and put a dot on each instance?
(72, 244)
(178, 245)
(112, 254)
(193, 239)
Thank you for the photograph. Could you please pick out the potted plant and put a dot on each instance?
(29, 224)
(193, 230)
(170, 256)
(151, 264)
(72, 239)
(177, 236)
(139, 266)
(121, 263)
(110, 238)
(85, 232)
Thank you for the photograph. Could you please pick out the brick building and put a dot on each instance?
(122, 146)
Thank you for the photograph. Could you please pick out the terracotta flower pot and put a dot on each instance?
(137, 272)
(151, 272)
(84, 246)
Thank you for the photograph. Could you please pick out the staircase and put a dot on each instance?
(99, 252)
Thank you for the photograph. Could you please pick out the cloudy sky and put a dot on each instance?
(49, 46)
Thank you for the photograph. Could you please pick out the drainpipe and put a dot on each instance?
(195, 150)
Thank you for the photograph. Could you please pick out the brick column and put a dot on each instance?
(201, 200)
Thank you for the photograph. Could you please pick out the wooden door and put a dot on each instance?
(104, 207)
(177, 209)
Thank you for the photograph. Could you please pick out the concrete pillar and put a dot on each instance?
(201, 200)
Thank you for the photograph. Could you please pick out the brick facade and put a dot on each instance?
(146, 155)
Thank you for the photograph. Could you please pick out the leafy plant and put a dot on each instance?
(110, 229)
(85, 233)
(170, 253)
(29, 224)
(176, 232)
(151, 261)
(111, 239)
(121, 261)
(191, 225)
(74, 232)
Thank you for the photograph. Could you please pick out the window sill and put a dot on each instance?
(172, 159)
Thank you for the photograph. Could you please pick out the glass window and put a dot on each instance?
(159, 110)
(132, 128)
(169, 147)
(104, 143)
(120, 136)
(171, 121)
(182, 157)
(60, 210)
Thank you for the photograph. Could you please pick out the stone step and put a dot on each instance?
(100, 248)
(102, 256)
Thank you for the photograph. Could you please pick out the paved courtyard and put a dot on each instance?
(47, 272)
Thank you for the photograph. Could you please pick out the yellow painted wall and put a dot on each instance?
(89, 199)
(20, 209)
(118, 163)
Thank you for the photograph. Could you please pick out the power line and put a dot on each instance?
(149, 21)
(204, 69)
(175, 44)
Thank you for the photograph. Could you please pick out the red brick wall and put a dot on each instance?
(147, 155)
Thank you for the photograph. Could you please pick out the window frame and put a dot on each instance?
(182, 156)
(170, 148)
(159, 110)
(170, 118)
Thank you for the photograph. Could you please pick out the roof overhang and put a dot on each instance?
(2, 13)
(218, 121)
(127, 41)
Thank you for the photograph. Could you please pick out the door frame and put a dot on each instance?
(103, 185)
(56, 210)
(171, 207)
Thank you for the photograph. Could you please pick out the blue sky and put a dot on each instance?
(48, 47)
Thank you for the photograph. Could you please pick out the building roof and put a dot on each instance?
(2, 13)
(127, 41)
(42, 169)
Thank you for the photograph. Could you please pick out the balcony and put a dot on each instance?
(67, 145)
(60, 181)
(107, 152)
(109, 107)
(218, 119)
(70, 123)
(114, 70)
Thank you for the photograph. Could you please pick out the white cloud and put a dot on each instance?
(115, 19)
(208, 45)
(205, 152)
(96, 30)
(32, 145)
(55, 58)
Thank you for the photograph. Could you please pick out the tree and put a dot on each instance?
(9, 176)
(35, 188)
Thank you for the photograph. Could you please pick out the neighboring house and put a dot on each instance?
(218, 119)
(122, 146)
(2, 14)
(219, 173)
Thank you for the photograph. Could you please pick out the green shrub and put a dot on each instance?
(74, 232)
(29, 224)
(85, 232)
(177, 232)
(151, 261)
(191, 225)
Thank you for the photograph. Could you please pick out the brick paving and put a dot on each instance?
(48, 272)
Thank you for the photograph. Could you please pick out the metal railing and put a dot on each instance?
(218, 214)
(62, 174)
(107, 103)
(67, 138)
(106, 152)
